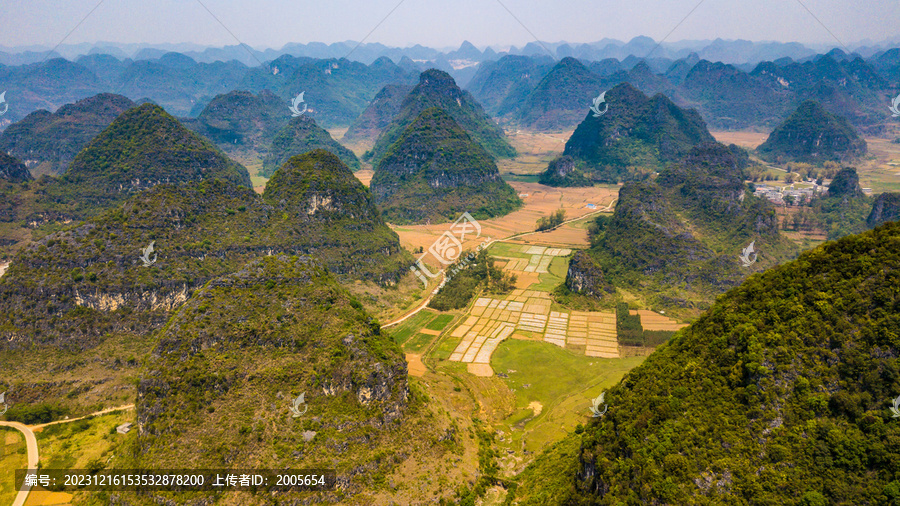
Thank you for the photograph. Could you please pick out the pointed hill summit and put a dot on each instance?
(48, 142)
(783, 392)
(559, 100)
(885, 208)
(241, 123)
(681, 235)
(299, 136)
(813, 135)
(437, 89)
(333, 217)
(100, 278)
(143, 147)
(635, 137)
(378, 114)
(435, 172)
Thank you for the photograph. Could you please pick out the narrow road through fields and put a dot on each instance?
(31, 445)
(424, 304)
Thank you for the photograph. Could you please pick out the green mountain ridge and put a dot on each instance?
(634, 137)
(680, 237)
(143, 147)
(437, 89)
(813, 135)
(49, 142)
(436, 171)
(560, 99)
(73, 287)
(13, 170)
(299, 136)
(241, 123)
(218, 388)
(778, 394)
(379, 113)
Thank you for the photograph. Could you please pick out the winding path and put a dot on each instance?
(32, 446)
(434, 292)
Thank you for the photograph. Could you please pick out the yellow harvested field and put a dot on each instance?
(364, 176)
(651, 320)
(541, 201)
(747, 140)
(415, 366)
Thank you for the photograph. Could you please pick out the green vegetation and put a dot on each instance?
(50, 141)
(313, 205)
(630, 332)
(470, 274)
(678, 238)
(218, 387)
(143, 147)
(628, 326)
(885, 208)
(844, 209)
(555, 219)
(792, 372)
(300, 136)
(435, 172)
(813, 135)
(561, 98)
(32, 414)
(437, 89)
(563, 172)
(378, 115)
(635, 138)
(242, 124)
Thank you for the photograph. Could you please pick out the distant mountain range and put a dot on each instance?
(532, 90)
(728, 51)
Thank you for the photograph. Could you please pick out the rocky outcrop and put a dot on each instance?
(585, 276)
(563, 172)
(885, 208)
(13, 170)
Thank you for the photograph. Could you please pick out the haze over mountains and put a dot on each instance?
(212, 239)
(532, 90)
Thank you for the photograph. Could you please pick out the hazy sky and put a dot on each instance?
(272, 23)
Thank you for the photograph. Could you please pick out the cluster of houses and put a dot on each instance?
(788, 194)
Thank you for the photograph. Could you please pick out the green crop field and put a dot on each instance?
(403, 331)
(562, 381)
